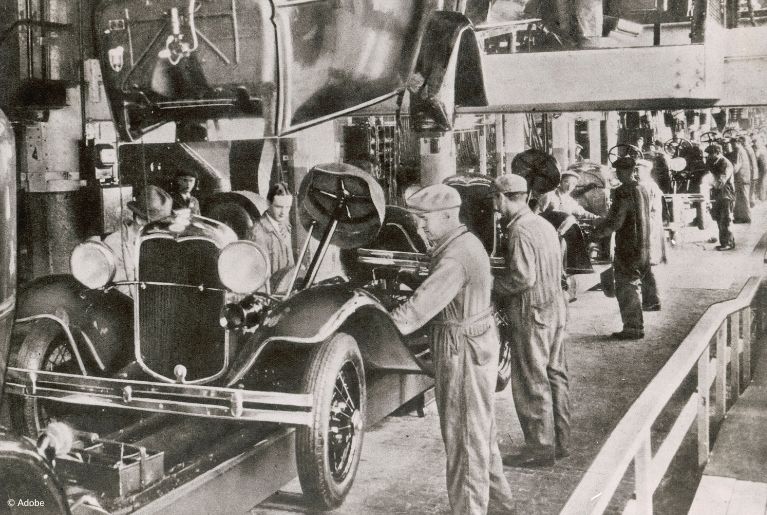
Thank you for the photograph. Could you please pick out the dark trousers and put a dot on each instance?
(630, 280)
(742, 207)
(649, 289)
(721, 212)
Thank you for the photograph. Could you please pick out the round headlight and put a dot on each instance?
(243, 267)
(93, 264)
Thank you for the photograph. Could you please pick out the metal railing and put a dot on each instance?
(727, 327)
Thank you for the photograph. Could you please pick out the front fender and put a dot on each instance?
(28, 477)
(106, 318)
(312, 316)
(448, 72)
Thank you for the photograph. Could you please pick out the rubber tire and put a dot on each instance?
(24, 410)
(317, 483)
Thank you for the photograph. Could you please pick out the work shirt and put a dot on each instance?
(122, 243)
(276, 239)
(741, 164)
(761, 160)
(657, 236)
(752, 162)
(458, 285)
(629, 219)
(724, 185)
(534, 260)
(564, 202)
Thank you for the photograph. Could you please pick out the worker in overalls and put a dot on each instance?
(530, 294)
(465, 346)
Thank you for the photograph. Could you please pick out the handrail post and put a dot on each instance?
(746, 346)
(721, 371)
(759, 316)
(735, 355)
(703, 396)
(643, 489)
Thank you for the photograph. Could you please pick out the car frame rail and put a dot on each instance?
(180, 399)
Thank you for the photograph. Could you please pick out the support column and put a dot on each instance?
(499, 142)
(437, 151)
(613, 122)
(563, 140)
(595, 140)
(513, 137)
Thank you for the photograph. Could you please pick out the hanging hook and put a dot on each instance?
(176, 48)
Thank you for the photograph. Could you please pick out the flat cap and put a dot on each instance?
(511, 183)
(625, 162)
(437, 197)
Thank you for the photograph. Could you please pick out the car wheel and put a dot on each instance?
(328, 451)
(45, 347)
(28, 476)
(504, 365)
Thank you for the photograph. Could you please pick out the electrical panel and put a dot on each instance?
(374, 146)
(45, 162)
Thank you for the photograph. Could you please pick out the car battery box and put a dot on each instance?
(112, 468)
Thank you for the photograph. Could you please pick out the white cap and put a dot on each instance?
(511, 183)
(437, 197)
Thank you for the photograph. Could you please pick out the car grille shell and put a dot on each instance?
(178, 305)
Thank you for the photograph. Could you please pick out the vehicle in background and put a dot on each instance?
(289, 64)
(28, 480)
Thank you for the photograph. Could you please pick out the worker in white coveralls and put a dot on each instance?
(530, 294)
(465, 345)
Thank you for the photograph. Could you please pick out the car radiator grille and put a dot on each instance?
(179, 324)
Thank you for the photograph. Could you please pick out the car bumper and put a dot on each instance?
(180, 399)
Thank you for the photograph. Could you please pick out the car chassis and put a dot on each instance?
(287, 367)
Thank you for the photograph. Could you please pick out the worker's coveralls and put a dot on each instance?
(465, 348)
(742, 178)
(533, 300)
(761, 165)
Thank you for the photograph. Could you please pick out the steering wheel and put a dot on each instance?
(675, 146)
(623, 150)
(709, 137)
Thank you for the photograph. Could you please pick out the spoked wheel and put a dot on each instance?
(328, 451)
(504, 365)
(709, 137)
(674, 147)
(45, 347)
(624, 150)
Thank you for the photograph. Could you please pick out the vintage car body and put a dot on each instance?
(28, 477)
(292, 63)
(190, 341)
(8, 235)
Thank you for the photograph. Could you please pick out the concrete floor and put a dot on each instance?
(402, 465)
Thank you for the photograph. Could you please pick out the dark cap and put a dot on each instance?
(152, 204)
(181, 172)
(714, 148)
(624, 163)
